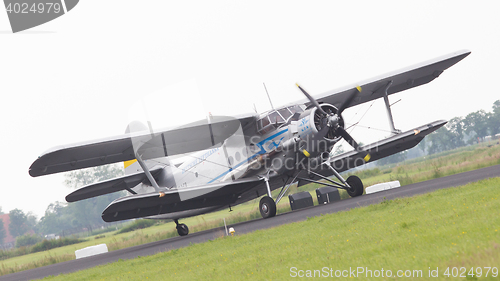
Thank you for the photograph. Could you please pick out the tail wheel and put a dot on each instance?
(182, 229)
(267, 207)
(356, 186)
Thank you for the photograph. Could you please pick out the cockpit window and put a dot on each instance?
(295, 108)
(275, 118)
(285, 113)
(264, 122)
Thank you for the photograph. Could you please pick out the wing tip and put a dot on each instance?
(462, 53)
(34, 172)
(465, 51)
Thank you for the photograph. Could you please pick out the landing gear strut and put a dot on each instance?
(182, 229)
(353, 185)
(267, 206)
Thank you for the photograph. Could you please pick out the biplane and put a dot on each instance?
(227, 161)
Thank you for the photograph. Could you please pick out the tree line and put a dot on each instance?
(462, 131)
(458, 132)
(61, 218)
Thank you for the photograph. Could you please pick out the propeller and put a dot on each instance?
(312, 100)
(349, 100)
(332, 119)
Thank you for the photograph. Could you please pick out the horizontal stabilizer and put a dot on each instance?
(110, 186)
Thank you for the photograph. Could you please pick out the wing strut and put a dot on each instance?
(389, 112)
(148, 174)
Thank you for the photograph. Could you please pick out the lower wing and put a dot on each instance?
(178, 200)
(380, 149)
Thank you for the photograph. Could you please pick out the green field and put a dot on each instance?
(454, 227)
(415, 170)
(158, 232)
(420, 169)
(435, 166)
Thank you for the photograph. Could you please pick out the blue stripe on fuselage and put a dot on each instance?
(262, 151)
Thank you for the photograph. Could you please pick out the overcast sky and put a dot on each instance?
(80, 77)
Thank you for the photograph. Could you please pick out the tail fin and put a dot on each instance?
(165, 178)
(132, 166)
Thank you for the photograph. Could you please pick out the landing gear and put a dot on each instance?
(355, 186)
(182, 229)
(267, 207)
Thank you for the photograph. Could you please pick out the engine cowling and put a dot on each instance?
(320, 132)
(318, 121)
(330, 125)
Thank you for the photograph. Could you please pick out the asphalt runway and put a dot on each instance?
(249, 226)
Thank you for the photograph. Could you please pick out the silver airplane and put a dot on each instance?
(227, 161)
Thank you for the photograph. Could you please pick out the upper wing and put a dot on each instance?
(402, 79)
(192, 137)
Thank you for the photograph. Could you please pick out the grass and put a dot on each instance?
(43, 245)
(137, 224)
(415, 170)
(435, 166)
(455, 227)
(421, 169)
(116, 241)
(48, 259)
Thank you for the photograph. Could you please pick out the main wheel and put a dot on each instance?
(267, 207)
(356, 186)
(182, 229)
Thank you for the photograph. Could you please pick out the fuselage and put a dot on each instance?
(272, 148)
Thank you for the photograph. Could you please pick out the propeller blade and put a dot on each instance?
(349, 100)
(312, 100)
(352, 142)
(348, 137)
